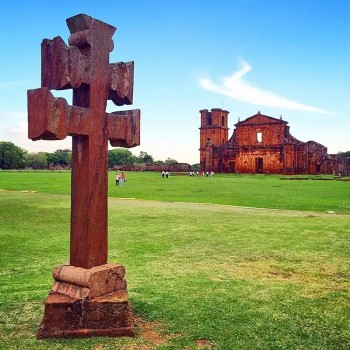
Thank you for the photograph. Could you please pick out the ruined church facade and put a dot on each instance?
(262, 145)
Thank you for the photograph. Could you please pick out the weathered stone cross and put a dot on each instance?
(84, 66)
(89, 295)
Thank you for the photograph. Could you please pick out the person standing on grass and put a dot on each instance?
(122, 180)
(117, 179)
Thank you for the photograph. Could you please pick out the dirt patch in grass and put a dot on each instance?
(22, 191)
(201, 344)
(316, 279)
(205, 344)
(150, 335)
(213, 207)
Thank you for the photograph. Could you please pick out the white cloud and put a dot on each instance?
(8, 116)
(235, 87)
(18, 134)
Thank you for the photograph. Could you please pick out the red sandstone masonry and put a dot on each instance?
(261, 144)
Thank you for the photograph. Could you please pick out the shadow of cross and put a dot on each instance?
(84, 67)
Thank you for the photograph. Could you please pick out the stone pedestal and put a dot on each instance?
(87, 302)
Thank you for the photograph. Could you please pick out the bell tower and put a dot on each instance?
(213, 133)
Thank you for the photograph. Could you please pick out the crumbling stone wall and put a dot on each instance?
(261, 144)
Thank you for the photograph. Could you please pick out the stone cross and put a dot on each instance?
(84, 67)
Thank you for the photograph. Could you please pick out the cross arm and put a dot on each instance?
(47, 116)
(51, 118)
(62, 67)
(124, 128)
(121, 85)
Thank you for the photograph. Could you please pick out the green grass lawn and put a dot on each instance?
(261, 191)
(244, 272)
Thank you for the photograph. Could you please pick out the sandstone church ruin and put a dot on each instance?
(261, 144)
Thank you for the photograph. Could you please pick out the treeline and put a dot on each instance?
(14, 157)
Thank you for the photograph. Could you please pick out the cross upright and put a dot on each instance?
(84, 67)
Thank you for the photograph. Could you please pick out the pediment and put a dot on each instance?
(260, 119)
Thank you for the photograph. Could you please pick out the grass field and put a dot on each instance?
(261, 191)
(234, 262)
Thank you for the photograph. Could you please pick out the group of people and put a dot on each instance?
(120, 179)
(165, 174)
(202, 173)
(192, 173)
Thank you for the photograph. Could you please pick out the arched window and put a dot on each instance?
(223, 120)
(209, 120)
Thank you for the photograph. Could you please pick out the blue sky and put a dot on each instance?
(289, 58)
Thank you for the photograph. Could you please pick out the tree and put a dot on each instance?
(11, 156)
(37, 160)
(120, 156)
(144, 157)
(196, 167)
(170, 161)
(60, 157)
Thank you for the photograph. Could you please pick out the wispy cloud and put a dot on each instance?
(235, 87)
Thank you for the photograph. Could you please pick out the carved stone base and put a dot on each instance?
(72, 311)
